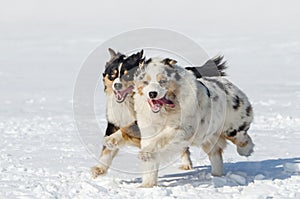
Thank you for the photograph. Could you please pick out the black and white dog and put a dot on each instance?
(119, 106)
(174, 110)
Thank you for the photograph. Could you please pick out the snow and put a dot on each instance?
(42, 156)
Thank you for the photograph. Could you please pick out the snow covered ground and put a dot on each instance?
(41, 155)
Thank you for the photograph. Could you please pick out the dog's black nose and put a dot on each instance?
(118, 86)
(153, 94)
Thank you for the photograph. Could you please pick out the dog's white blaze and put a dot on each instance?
(117, 80)
(119, 68)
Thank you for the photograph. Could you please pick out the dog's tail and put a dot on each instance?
(221, 65)
(212, 68)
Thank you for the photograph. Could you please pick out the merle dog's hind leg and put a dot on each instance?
(242, 141)
(106, 156)
(214, 151)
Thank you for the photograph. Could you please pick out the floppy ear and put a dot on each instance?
(112, 53)
(169, 62)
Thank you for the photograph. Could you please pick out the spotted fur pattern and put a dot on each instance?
(175, 110)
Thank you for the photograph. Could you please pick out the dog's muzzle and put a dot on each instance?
(122, 94)
(156, 104)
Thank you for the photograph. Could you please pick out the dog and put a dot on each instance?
(119, 107)
(122, 127)
(175, 109)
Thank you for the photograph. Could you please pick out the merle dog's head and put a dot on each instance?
(119, 73)
(157, 80)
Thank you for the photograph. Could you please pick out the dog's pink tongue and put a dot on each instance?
(119, 95)
(168, 102)
(154, 105)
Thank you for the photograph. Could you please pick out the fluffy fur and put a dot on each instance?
(122, 128)
(119, 110)
(175, 110)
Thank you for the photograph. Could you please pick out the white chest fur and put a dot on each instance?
(120, 114)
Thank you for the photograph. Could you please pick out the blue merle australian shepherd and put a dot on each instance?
(174, 110)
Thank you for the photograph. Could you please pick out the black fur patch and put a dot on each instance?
(236, 102)
(248, 110)
(113, 65)
(244, 127)
(207, 90)
(232, 133)
(169, 62)
(110, 129)
(202, 121)
(195, 71)
(130, 64)
(148, 61)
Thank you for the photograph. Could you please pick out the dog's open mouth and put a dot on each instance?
(157, 104)
(121, 95)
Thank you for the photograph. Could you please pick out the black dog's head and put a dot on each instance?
(111, 69)
(123, 84)
(119, 73)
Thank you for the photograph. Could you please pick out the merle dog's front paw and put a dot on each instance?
(111, 143)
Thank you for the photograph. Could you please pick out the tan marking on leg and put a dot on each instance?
(128, 136)
(236, 142)
(105, 151)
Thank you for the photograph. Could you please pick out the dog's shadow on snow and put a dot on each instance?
(236, 174)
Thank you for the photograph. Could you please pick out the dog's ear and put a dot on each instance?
(140, 54)
(136, 58)
(169, 62)
(142, 63)
(112, 53)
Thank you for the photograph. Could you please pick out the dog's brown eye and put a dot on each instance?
(145, 82)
